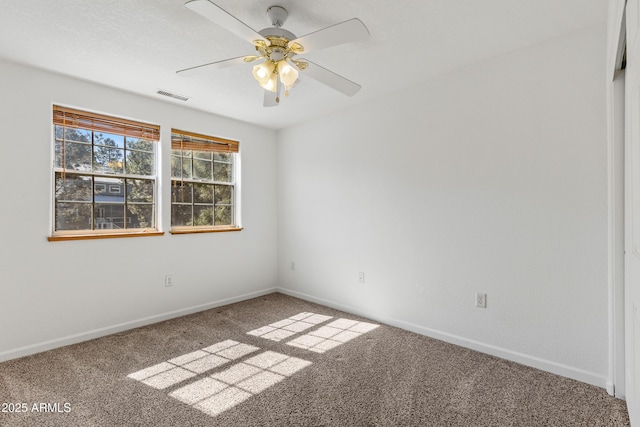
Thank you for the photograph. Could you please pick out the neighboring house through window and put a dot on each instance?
(204, 189)
(104, 174)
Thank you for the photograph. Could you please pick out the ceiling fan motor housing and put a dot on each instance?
(279, 39)
(276, 32)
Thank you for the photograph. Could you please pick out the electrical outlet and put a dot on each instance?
(361, 277)
(168, 281)
(481, 300)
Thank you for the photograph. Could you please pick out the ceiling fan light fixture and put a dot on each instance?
(263, 71)
(271, 84)
(288, 74)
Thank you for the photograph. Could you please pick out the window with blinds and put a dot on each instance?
(203, 183)
(104, 174)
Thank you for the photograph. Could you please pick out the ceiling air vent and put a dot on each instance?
(172, 95)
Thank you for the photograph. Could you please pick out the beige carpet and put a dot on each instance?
(278, 361)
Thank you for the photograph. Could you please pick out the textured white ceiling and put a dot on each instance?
(138, 45)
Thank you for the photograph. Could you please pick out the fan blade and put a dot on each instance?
(270, 99)
(216, 14)
(348, 31)
(212, 66)
(329, 78)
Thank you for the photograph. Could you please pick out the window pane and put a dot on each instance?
(139, 190)
(224, 195)
(57, 161)
(222, 172)
(203, 215)
(73, 216)
(203, 193)
(202, 169)
(176, 171)
(224, 215)
(139, 163)
(139, 144)
(77, 156)
(108, 159)
(223, 157)
(203, 155)
(109, 140)
(71, 134)
(181, 215)
(181, 192)
(186, 167)
(140, 216)
(108, 216)
(109, 190)
(73, 188)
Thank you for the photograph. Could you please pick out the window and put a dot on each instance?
(104, 175)
(203, 183)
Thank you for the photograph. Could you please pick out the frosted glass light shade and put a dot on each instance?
(263, 71)
(272, 83)
(288, 74)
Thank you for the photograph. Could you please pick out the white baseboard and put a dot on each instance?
(514, 356)
(97, 333)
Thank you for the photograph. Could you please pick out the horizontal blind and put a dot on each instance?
(69, 117)
(183, 140)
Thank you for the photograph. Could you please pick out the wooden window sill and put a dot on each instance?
(204, 230)
(62, 237)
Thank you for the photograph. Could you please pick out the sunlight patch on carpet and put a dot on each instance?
(221, 390)
(232, 386)
(223, 375)
(332, 335)
(181, 368)
(286, 328)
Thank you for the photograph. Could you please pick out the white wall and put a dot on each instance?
(490, 179)
(53, 293)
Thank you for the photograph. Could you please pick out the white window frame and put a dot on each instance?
(234, 151)
(106, 124)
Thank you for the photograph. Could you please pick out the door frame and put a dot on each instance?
(616, 45)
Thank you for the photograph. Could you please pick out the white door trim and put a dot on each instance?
(616, 45)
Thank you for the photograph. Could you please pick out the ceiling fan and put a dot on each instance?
(277, 48)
